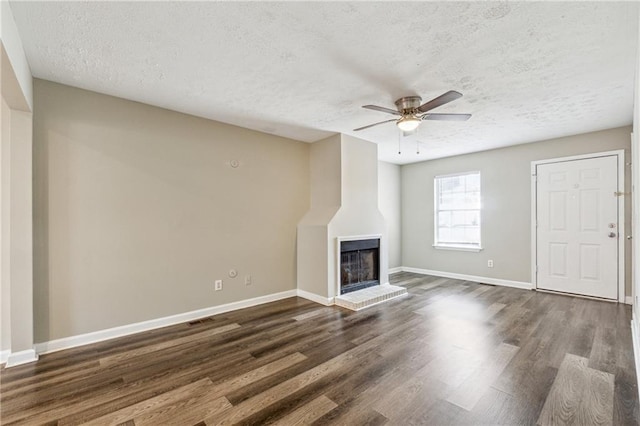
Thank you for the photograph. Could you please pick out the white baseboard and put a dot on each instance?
(21, 357)
(4, 355)
(636, 345)
(628, 300)
(125, 330)
(326, 301)
(484, 280)
(395, 270)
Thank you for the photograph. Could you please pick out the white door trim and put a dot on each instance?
(621, 232)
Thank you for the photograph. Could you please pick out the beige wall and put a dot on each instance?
(16, 201)
(138, 211)
(506, 198)
(5, 228)
(16, 242)
(326, 197)
(326, 174)
(21, 233)
(390, 206)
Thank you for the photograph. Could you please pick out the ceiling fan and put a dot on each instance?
(412, 113)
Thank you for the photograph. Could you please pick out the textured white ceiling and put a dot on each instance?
(528, 71)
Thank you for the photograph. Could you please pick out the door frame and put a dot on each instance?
(621, 232)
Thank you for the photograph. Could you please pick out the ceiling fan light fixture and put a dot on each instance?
(408, 123)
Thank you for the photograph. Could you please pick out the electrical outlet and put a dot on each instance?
(218, 285)
(247, 280)
(490, 263)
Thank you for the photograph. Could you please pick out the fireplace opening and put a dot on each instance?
(359, 264)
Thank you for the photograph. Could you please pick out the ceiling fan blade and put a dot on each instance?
(374, 124)
(451, 95)
(447, 117)
(381, 109)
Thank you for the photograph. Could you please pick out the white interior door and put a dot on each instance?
(577, 226)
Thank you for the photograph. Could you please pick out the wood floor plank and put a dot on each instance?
(625, 402)
(579, 396)
(442, 413)
(348, 415)
(313, 313)
(480, 290)
(407, 361)
(119, 396)
(515, 325)
(432, 284)
(469, 393)
(499, 408)
(528, 379)
(233, 383)
(460, 332)
(230, 385)
(142, 409)
(369, 399)
(272, 395)
(493, 309)
(10, 386)
(418, 390)
(284, 389)
(184, 411)
(50, 379)
(119, 357)
(308, 413)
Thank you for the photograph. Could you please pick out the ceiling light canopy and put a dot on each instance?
(408, 123)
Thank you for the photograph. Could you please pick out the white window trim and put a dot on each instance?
(455, 247)
(470, 247)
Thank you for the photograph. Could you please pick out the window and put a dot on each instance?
(457, 211)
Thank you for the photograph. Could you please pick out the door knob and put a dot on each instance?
(612, 235)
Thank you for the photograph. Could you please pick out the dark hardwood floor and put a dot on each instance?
(451, 352)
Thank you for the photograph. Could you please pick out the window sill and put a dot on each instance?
(457, 248)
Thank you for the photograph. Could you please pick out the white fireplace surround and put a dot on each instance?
(344, 207)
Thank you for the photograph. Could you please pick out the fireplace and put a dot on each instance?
(359, 264)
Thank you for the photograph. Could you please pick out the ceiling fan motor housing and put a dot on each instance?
(408, 104)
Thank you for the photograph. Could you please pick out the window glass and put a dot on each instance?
(457, 210)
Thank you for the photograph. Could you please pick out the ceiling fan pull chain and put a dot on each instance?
(399, 141)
